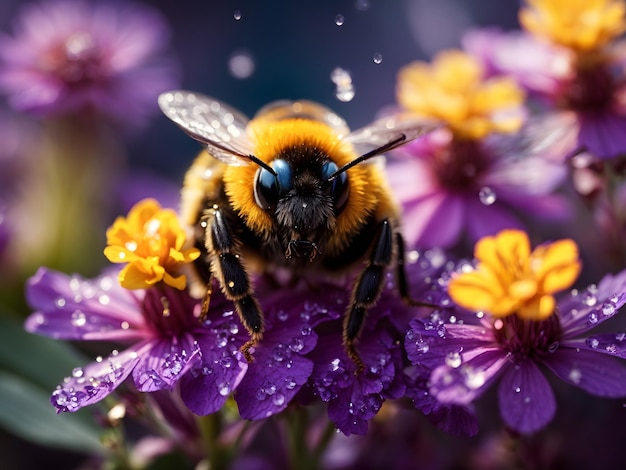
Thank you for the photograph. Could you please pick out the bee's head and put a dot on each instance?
(297, 191)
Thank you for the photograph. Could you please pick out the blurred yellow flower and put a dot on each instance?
(582, 25)
(509, 279)
(150, 239)
(454, 90)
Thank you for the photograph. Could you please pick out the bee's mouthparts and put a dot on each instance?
(302, 248)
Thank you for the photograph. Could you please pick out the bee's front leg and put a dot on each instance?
(233, 278)
(367, 290)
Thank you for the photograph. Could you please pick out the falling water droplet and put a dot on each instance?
(378, 58)
(343, 80)
(339, 20)
(241, 65)
(487, 196)
(237, 15)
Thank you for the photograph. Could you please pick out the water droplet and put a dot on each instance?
(290, 383)
(282, 315)
(527, 399)
(517, 389)
(480, 314)
(334, 365)
(487, 196)
(421, 346)
(278, 399)
(131, 245)
(237, 15)
(296, 345)
(78, 318)
(362, 5)
(339, 20)
(223, 388)
(592, 318)
(78, 372)
(608, 309)
(269, 388)
(454, 359)
(611, 348)
(125, 325)
(620, 336)
(474, 379)
(593, 342)
(343, 80)
(60, 302)
(378, 58)
(553, 347)
(241, 65)
(575, 375)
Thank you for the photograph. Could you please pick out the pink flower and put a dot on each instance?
(73, 56)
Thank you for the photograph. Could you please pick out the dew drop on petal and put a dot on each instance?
(620, 336)
(223, 389)
(60, 302)
(608, 309)
(575, 375)
(422, 346)
(474, 379)
(78, 318)
(454, 359)
(517, 389)
(124, 325)
(487, 196)
(278, 399)
(593, 342)
(78, 372)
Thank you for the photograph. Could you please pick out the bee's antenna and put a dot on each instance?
(262, 164)
(372, 153)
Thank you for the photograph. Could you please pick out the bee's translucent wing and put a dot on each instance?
(283, 109)
(398, 129)
(209, 121)
(552, 136)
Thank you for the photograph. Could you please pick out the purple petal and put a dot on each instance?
(612, 344)
(597, 374)
(457, 420)
(163, 362)
(463, 382)
(429, 344)
(526, 399)
(352, 409)
(436, 221)
(209, 383)
(603, 133)
(584, 310)
(94, 382)
(279, 369)
(488, 220)
(76, 308)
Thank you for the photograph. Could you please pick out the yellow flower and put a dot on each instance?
(150, 239)
(582, 25)
(509, 279)
(454, 90)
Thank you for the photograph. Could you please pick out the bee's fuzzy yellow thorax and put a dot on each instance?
(271, 139)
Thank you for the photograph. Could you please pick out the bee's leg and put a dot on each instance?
(367, 289)
(403, 285)
(234, 279)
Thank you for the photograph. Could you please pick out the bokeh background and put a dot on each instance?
(248, 53)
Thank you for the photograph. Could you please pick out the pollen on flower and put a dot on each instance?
(510, 279)
(582, 25)
(454, 89)
(152, 242)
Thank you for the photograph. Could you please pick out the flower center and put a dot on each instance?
(527, 338)
(592, 88)
(77, 61)
(458, 165)
(170, 312)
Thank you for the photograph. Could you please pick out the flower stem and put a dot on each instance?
(211, 430)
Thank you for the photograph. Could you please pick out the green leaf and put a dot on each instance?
(25, 410)
(42, 360)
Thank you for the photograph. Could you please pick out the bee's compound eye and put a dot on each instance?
(269, 188)
(338, 188)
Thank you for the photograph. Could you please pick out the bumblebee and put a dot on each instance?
(292, 189)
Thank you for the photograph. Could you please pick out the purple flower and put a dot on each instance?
(168, 344)
(467, 353)
(71, 56)
(473, 186)
(584, 94)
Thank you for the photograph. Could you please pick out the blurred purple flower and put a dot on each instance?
(71, 56)
(467, 353)
(447, 186)
(585, 97)
(168, 343)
